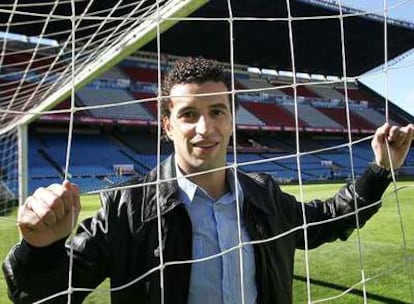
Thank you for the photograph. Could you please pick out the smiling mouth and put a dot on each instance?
(205, 145)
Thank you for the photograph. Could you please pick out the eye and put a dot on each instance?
(218, 112)
(188, 115)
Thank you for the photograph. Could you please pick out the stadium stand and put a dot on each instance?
(94, 153)
(274, 142)
(90, 96)
(340, 116)
(373, 116)
(19, 60)
(326, 92)
(40, 163)
(311, 116)
(262, 85)
(114, 73)
(141, 74)
(301, 90)
(271, 114)
(7, 87)
(288, 168)
(243, 160)
(96, 160)
(244, 117)
(150, 105)
(355, 94)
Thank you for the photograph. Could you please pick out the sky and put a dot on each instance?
(398, 82)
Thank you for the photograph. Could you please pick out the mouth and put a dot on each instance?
(205, 145)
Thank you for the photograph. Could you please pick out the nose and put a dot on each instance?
(203, 125)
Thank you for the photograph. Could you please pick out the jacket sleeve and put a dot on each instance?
(35, 273)
(351, 207)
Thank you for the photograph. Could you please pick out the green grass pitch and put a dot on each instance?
(381, 254)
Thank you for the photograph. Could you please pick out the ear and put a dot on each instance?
(166, 124)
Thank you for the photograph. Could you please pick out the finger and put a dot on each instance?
(400, 136)
(66, 191)
(54, 197)
(77, 201)
(410, 131)
(71, 186)
(58, 200)
(75, 192)
(28, 220)
(381, 133)
(408, 135)
(42, 204)
(403, 136)
(394, 134)
(63, 199)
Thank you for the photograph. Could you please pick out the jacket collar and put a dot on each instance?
(168, 194)
(255, 193)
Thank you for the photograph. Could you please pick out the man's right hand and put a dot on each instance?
(49, 214)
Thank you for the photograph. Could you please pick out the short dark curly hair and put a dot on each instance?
(192, 70)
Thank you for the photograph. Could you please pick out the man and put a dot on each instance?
(199, 206)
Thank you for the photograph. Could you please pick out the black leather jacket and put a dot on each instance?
(121, 241)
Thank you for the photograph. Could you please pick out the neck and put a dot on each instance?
(213, 183)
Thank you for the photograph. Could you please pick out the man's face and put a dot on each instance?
(199, 126)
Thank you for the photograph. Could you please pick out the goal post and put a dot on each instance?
(9, 178)
(17, 115)
(22, 164)
(33, 86)
(160, 20)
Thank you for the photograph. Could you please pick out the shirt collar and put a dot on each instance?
(188, 189)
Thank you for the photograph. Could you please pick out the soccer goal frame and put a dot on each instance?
(145, 30)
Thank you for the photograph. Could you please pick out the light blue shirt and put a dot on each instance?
(215, 230)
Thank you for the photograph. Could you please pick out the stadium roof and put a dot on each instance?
(265, 43)
(260, 32)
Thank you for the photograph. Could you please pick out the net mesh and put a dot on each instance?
(39, 78)
(8, 172)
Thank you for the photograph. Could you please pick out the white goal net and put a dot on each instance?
(79, 100)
